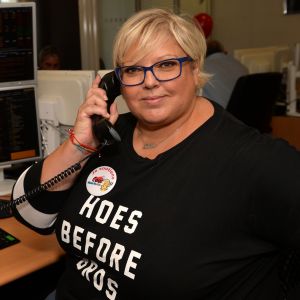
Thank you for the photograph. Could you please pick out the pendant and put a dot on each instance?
(149, 146)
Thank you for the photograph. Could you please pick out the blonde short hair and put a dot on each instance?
(148, 28)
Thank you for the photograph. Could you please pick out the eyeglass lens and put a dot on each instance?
(163, 71)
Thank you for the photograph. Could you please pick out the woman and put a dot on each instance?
(191, 204)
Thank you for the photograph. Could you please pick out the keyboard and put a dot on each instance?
(6, 239)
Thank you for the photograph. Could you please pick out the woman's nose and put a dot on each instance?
(150, 79)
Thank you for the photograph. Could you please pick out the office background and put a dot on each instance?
(84, 29)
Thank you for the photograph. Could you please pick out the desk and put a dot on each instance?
(288, 128)
(34, 252)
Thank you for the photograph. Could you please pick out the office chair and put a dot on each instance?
(253, 99)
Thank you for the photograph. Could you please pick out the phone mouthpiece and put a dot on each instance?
(104, 131)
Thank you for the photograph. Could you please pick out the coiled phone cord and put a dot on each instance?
(47, 185)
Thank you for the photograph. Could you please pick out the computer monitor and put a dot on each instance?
(67, 88)
(60, 93)
(292, 83)
(20, 140)
(291, 7)
(18, 54)
(260, 62)
(264, 59)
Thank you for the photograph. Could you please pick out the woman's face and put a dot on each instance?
(160, 103)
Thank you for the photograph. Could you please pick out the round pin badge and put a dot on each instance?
(101, 181)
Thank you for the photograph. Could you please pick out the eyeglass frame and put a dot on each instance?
(181, 60)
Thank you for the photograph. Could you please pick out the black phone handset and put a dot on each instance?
(102, 128)
(103, 131)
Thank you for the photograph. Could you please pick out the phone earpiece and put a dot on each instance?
(102, 128)
(111, 84)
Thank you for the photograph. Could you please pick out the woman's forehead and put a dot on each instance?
(142, 48)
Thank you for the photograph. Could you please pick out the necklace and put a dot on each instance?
(148, 146)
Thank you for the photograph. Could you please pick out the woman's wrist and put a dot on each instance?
(83, 148)
(62, 158)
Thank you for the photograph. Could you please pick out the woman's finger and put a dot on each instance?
(96, 81)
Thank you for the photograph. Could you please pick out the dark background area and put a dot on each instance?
(58, 25)
(292, 6)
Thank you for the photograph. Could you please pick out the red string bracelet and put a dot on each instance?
(80, 145)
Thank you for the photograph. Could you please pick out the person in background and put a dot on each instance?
(190, 204)
(49, 58)
(225, 71)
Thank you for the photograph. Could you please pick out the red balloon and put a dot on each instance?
(206, 23)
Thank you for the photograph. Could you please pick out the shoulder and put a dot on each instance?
(242, 138)
(215, 57)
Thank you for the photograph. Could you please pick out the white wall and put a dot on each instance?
(256, 23)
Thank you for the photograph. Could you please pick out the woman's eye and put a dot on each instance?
(132, 70)
(167, 64)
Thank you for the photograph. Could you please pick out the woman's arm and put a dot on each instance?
(40, 212)
(69, 152)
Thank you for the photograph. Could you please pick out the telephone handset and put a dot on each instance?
(103, 131)
(102, 128)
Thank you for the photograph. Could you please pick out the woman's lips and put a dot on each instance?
(153, 99)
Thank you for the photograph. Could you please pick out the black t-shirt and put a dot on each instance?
(206, 219)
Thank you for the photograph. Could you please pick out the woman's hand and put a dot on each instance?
(94, 104)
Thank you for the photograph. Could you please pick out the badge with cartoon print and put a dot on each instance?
(101, 181)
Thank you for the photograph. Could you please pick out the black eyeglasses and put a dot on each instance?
(164, 70)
